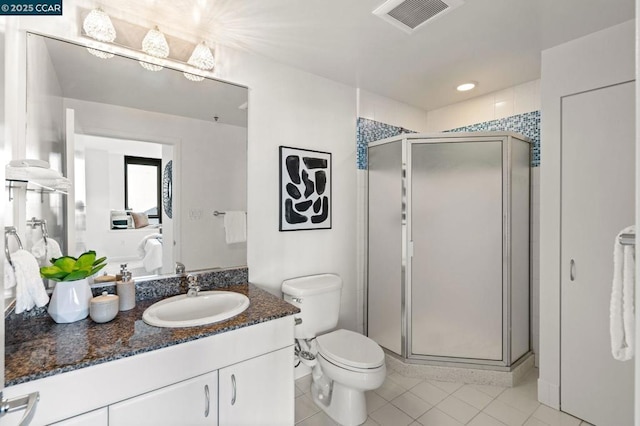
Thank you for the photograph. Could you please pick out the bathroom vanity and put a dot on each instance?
(127, 372)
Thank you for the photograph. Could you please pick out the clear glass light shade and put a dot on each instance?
(100, 54)
(155, 44)
(202, 57)
(98, 26)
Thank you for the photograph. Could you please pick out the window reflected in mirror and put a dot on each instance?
(142, 190)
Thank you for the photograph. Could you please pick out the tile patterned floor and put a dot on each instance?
(406, 401)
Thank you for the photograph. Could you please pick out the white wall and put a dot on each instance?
(492, 106)
(294, 108)
(576, 66)
(389, 111)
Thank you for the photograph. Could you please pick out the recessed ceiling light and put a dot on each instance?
(466, 86)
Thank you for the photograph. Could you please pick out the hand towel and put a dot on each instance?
(9, 279)
(235, 227)
(142, 244)
(153, 255)
(29, 286)
(43, 253)
(622, 316)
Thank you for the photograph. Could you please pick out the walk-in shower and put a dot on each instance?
(448, 248)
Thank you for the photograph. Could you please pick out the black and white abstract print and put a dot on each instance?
(305, 189)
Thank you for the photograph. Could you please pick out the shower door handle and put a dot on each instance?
(572, 270)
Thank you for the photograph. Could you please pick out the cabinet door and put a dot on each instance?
(598, 186)
(259, 391)
(98, 417)
(192, 402)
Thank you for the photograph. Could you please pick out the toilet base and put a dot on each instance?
(348, 406)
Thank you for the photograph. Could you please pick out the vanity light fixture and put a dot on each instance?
(201, 58)
(98, 26)
(466, 86)
(154, 44)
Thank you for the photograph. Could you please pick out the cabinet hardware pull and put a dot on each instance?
(233, 389)
(206, 400)
(572, 270)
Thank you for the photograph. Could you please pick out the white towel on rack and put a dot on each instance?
(44, 252)
(30, 290)
(235, 227)
(622, 316)
(9, 279)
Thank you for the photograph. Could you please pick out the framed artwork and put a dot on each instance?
(305, 189)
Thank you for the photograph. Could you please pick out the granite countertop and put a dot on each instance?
(37, 347)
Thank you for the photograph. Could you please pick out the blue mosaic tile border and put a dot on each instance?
(369, 131)
(527, 124)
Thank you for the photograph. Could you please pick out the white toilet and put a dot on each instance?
(345, 364)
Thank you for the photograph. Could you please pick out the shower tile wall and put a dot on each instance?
(527, 124)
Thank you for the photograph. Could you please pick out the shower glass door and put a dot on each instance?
(456, 229)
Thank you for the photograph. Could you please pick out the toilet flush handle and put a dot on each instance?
(298, 320)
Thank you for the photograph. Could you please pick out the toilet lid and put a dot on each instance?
(351, 349)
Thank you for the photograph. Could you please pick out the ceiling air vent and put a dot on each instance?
(409, 15)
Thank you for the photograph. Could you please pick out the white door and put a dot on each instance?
(192, 402)
(259, 391)
(598, 137)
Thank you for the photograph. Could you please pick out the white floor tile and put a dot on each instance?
(429, 393)
(404, 381)
(319, 419)
(374, 401)
(389, 415)
(305, 407)
(459, 410)
(523, 399)
(411, 404)
(492, 391)
(298, 392)
(370, 422)
(505, 413)
(473, 397)
(304, 383)
(483, 419)
(534, 422)
(390, 390)
(435, 417)
(554, 417)
(448, 387)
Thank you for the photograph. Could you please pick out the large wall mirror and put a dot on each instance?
(151, 156)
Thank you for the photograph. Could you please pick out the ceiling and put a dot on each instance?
(494, 42)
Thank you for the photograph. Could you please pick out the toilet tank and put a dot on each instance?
(318, 297)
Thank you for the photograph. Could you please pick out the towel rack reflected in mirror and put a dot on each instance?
(627, 239)
(10, 231)
(42, 223)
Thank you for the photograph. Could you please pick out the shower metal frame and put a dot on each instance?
(407, 140)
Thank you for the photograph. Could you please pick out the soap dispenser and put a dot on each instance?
(126, 289)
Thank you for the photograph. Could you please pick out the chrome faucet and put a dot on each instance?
(180, 268)
(194, 288)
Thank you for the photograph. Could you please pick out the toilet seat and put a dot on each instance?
(350, 350)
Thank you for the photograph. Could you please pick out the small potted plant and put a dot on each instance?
(70, 299)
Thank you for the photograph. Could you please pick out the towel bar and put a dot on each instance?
(42, 223)
(627, 239)
(218, 213)
(10, 230)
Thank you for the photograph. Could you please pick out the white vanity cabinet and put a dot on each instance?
(257, 391)
(191, 402)
(93, 418)
(167, 386)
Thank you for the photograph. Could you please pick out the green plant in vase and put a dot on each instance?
(70, 299)
(68, 268)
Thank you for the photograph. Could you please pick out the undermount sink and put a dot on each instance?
(207, 307)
